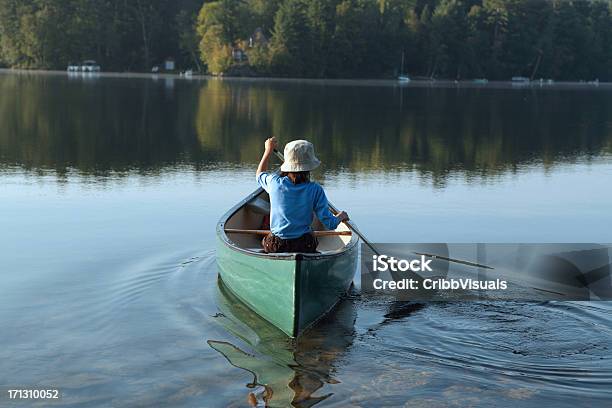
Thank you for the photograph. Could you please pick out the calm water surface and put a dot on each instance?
(110, 189)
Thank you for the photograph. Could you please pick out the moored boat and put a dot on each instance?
(290, 290)
(403, 78)
(520, 80)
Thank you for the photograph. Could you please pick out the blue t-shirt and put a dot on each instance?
(292, 205)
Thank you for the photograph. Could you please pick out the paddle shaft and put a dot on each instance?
(348, 223)
(266, 232)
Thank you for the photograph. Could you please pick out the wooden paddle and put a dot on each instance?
(266, 232)
(335, 211)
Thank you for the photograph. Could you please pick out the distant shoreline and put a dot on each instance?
(330, 81)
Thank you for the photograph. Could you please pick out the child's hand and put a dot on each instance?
(271, 144)
(342, 216)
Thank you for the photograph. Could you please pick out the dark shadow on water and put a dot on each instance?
(396, 311)
(401, 310)
(286, 372)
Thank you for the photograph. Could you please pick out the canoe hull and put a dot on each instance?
(322, 282)
(292, 292)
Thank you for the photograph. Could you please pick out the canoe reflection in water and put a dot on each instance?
(286, 372)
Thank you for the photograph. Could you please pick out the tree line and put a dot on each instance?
(456, 39)
(123, 35)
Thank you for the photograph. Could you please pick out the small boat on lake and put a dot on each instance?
(290, 290)
(90, 66)
(520, 80)
(403, 78)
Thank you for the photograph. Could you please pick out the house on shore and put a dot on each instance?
(258, 38)
(169, 64)
(238, 54)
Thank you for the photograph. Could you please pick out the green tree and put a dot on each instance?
(188, 36)
(450, 30)
(488, 26)
(221, 24)
(600, 59)
(291, 40)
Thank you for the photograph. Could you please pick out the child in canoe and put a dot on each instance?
(293, 199)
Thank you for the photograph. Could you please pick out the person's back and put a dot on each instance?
(293, 199)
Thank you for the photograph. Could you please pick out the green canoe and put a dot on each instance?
(290, 290)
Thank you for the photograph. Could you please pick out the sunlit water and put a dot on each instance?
(108, 284)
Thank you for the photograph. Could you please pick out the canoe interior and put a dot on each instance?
(251, 216)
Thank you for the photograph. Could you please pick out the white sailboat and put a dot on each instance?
(402, 77)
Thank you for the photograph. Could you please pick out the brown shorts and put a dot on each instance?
(306, 243)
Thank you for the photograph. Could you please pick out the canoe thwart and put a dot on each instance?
(266, 232)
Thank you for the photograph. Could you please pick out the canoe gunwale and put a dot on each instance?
(277, 256)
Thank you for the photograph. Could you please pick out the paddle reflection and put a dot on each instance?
(286, 372)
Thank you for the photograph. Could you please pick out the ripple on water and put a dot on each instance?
(552, 345)
(117, 291)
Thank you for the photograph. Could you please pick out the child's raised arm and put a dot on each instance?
(270, 145)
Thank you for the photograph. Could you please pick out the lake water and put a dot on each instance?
(110, 189)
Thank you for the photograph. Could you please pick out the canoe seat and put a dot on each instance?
(261, 251)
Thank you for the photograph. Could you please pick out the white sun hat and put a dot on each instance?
(299, 156)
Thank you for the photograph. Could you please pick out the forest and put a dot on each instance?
(452, 39)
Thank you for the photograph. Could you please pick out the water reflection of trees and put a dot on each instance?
(91, 125)
(436, 129)
(101, 125)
